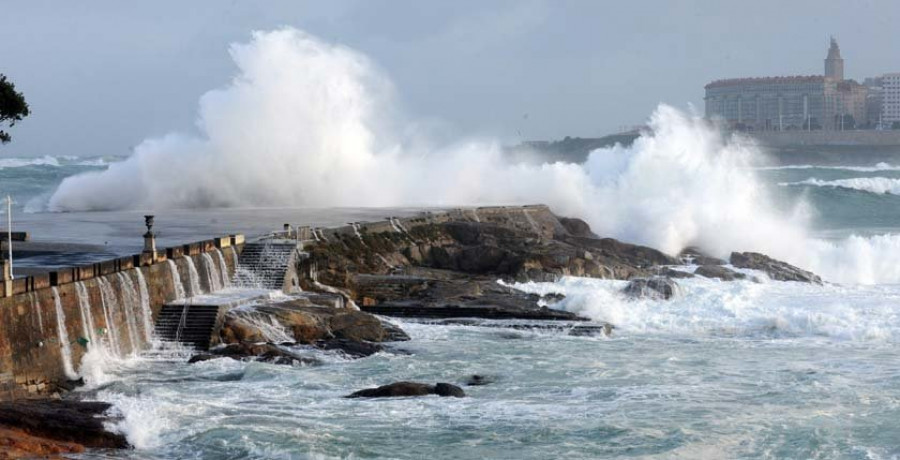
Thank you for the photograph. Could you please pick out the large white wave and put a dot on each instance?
(879, 185)
(738, 309)
(309, 123)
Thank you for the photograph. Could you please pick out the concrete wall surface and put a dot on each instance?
(49, 328)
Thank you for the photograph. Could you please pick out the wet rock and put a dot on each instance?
(775, 269)
(67, 421)
(360, 326)
(653, 288)
(694, 256)
(446, 389)
(675, 274)
(478, 380)
(719, 272)
(552, 298)
(401, 389)
(264, 352)
(350, 348)
(70, 385)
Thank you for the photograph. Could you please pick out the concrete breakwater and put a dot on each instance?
(50, 321)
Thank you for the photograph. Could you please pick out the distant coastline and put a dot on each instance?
(814, 147)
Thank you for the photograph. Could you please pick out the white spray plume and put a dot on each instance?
(307, 123)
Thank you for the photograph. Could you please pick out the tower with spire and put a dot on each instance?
(834, 63)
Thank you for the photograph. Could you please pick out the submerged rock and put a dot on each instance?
(401, 389)
(264, 352)
(478, 380)
(350, 348)
(775, 269)
(656, 287)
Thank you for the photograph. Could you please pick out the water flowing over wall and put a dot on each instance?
(47, 331)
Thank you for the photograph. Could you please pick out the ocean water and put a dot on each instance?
(725, 370)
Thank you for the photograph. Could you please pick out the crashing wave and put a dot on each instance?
(879, 185)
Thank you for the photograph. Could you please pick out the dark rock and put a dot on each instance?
(265, 352)
(350, 348)
(675, 274)
(400, 389)
(577, 227)
(360, 326)
(553, 297)
(720, 272)
(73, 421)
(70, 385)
(654, 288)
(478, 380)
(446, 389)
(775, 269)
(694, 256)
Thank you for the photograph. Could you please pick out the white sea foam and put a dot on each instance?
(56, 161)
(738, 309)
(879, 185)
(878, 167)
(22, 162)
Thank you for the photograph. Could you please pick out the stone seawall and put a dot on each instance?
(113, 304)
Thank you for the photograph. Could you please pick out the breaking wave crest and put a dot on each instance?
(878, 167)
(879, 185)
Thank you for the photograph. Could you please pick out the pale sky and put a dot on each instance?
(101, 76)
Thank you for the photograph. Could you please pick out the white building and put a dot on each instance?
(890, 106)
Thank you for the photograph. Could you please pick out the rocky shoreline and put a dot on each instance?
(452, 272)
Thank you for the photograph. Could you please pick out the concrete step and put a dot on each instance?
(192, 325)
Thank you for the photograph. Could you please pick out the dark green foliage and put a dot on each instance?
(12, 106)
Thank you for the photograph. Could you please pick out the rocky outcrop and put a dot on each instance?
(449, 268)
(775, 269)
(656, 287)
(480, 248)
(309, 324)
(264, 352)
(456, 297)
(401, 389)
(42, 428)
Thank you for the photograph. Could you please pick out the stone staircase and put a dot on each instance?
(192, 325)
(264, 264)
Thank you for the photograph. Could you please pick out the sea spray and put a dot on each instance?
(681, 183)
(193, 277)
(63, 335)
(176, 279)
(147, 313)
